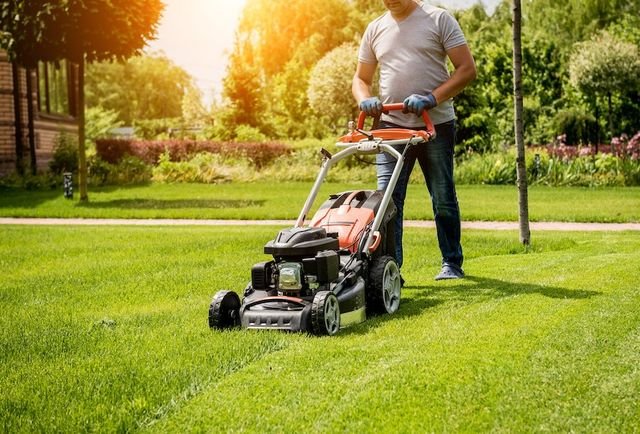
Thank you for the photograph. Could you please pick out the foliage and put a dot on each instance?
(277, 43)
(128, 170)
(65, 155)
(140, 88)
(75, 30)
(79, 31)
(275, 29)
(245, 133)
(327, 83)
(99, 122)
(559, 165)
(150, 129)
(627, 29)
(267, 75)
(260, 154)
(605, 65)
(194, 112)
(203, 167)
(576, 126)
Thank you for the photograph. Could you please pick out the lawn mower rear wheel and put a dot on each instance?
(385, 284)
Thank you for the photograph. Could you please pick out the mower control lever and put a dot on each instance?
(367, 134)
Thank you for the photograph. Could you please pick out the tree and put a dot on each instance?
(605, 66)
(141, 88)
(276, 45)
(79, 31)
(523, 199)
(329, 83)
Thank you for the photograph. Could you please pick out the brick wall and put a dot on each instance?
(46, 128)
(7, 129)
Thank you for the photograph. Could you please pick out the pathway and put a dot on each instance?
(535, 226)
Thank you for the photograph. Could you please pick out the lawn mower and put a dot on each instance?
(342, 266)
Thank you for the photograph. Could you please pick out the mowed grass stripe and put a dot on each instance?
(458, 357)
(114, 337)
(106, 329)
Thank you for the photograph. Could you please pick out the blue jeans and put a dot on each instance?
(436, 161)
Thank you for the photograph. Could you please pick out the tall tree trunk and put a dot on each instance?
(523, 197)
(30, 126)
(82, 155)
(613, 149)
(17, 116)
(597, 125)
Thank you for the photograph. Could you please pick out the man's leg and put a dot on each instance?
(386, 163)
(436, 161)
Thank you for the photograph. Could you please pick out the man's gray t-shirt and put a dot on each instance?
(412, 58)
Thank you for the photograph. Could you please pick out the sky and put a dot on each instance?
(197, 35)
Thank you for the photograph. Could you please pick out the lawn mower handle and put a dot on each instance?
(399, 106)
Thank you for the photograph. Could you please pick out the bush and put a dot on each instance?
(151, 129)
(129, 170)
(113, 150)
(577, 126)
(564, 166)
(245, 133)
(204, 167)
(260, 154)
(65, 155)
(42, 181)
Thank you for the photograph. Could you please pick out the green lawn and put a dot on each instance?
(284, 201)
(104, 329)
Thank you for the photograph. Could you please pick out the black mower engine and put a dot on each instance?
(306, 260)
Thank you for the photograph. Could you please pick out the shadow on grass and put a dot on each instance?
(171, 204)
(22, 198)
(484, 286)
(432, 295)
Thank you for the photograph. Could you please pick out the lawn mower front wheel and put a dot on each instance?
(224, 311)
(325, 314)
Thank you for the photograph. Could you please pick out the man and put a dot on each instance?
(411, 43)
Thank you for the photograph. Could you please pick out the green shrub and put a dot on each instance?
(129, 170)
(577, 126)
(99, 170)
(41, 181)
(259, 153)
(204, 167)
(598, 170)
(156, 128)
(65, 154)
(245, 133)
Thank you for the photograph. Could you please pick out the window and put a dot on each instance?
(56, 86)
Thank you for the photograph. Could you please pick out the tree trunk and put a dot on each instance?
(17, 116)
(597, 125)
(30, 126)
(523, 197)
(82, 155)
(613, 149)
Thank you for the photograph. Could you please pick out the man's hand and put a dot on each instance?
(371, 106)
(418, 103)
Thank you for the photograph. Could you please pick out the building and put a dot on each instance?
(36, 106)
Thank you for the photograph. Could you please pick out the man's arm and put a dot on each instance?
(463, 74)
(363, 81)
